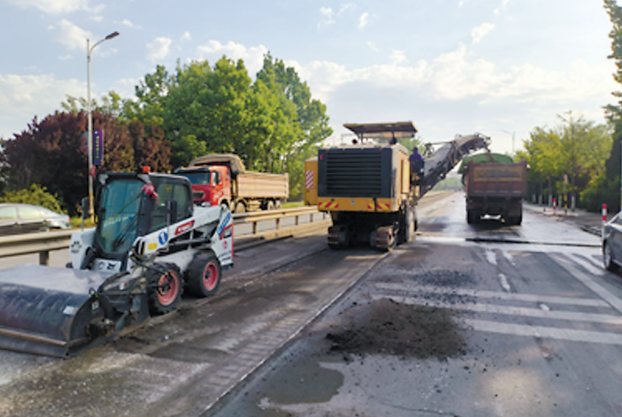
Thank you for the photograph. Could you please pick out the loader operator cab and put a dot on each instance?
(133, 205)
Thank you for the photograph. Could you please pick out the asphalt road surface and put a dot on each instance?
(482, 320)
(467, 320)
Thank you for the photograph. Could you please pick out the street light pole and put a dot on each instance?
(89, 104)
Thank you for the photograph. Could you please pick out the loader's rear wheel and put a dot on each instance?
(204, 275)
(166, 288)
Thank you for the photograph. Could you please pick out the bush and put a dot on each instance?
(37, 195)
(602, 191)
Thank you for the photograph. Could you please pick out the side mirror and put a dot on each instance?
(171, 211)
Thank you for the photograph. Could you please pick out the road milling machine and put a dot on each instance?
(149, 243)
(368, 187)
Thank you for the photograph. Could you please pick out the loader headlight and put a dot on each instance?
(139, 248)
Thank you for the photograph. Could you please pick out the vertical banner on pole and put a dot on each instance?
(98, 147)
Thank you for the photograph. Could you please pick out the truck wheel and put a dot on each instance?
(270, 205)
(204, 275)
(470, 216)
(610, 265)
(277, 204)
(240, 208)
(165, 288)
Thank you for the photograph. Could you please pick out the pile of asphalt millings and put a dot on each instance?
(391, 328)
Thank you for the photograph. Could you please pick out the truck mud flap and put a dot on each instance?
(60, 311)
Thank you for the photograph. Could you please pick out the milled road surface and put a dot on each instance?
(458, 323)
(183, 362)
(446, 325)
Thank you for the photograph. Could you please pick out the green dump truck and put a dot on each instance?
(495, 185)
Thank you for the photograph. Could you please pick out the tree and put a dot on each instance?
(35, 194)
(614, 111)
(575, 150)
(53, 153)
(311, 124)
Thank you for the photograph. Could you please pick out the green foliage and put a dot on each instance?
(576, 149)
(273, 124)
(602, 190)
(35, 194)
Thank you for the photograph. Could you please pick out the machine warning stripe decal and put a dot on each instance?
(379, 207)
(309, 179)
(224, 223)
(328, 205)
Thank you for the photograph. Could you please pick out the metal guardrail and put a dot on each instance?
(276, 215)
(44, 242)
(41, 243)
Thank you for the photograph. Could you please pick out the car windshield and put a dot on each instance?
(118, 215)
(198, 178)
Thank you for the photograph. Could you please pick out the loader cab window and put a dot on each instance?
(118, 214)
(170, 191)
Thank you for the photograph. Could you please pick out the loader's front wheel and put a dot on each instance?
(204, 275)
(165, 289)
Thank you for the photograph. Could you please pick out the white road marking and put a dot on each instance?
(504, 283)
(491, 257)
(611, 299)
(544, 332)
(545, 307)
(508, 256)
(510, 310)
(535, 298)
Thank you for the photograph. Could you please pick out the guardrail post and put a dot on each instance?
(44, 257)
(254, 228)
(278, 224)
(296, 221)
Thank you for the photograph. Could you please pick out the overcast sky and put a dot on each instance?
(499, 67)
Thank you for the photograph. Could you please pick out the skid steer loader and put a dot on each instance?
(150, 242)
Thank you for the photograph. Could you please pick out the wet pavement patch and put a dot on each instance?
(391, 328)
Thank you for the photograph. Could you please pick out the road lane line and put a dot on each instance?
(509, 310)
(491, 257)
(603, 293)
(544, 332)
(589, 302)
(504, 283)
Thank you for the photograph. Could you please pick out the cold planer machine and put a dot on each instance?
(368, 187)
(149, 243)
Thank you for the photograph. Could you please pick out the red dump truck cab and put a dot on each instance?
(211, 186)
(221, 179)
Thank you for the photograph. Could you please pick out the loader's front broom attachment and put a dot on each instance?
(61, 311)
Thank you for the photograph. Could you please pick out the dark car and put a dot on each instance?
(25, 218)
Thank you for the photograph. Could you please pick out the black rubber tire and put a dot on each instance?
(471, 216)
(240, 208)
(608, 262)
(165, 288)
(204, 274)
